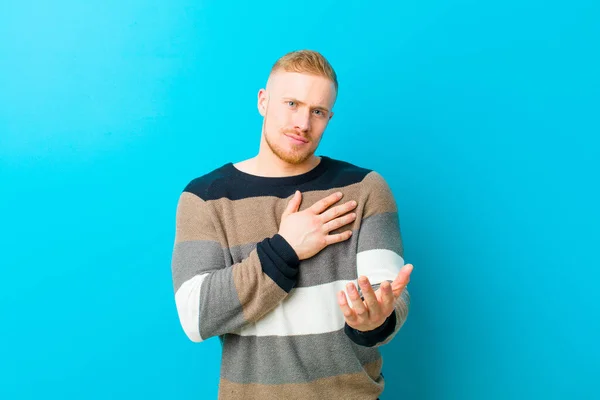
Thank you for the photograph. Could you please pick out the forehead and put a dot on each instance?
(311, 89)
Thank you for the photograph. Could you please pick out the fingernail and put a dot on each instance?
(339, 194)
(353, 203)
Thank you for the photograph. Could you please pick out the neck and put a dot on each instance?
(268, 164)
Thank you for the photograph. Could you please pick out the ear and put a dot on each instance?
(262, 102)
(331, 115)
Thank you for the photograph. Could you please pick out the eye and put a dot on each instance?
(319, 113)
(291, 103)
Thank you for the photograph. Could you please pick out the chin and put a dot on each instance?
(294, 157)
(291, 154)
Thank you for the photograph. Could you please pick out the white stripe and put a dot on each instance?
(379, 265)
(306, 310)
(187, 300)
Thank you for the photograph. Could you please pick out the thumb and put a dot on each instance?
(402, 279)
(293, 205)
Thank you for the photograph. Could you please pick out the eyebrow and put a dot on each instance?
(287, 98)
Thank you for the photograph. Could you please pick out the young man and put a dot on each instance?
(267, 254)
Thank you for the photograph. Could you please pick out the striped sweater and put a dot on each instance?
(282, 333)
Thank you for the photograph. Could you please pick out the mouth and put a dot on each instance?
(296, 138)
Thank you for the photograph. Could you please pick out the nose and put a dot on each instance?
(302, 120)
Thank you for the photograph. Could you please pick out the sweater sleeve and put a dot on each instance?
(380, 257)
(212, 298)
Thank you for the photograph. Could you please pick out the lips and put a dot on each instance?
(296, 138)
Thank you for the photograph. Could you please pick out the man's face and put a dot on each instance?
(296, 109)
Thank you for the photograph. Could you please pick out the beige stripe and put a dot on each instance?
(249, 220)
(193, 220)
(358, 386)
(258, 294)
(381, 198)
(253, 219)
(373, 369)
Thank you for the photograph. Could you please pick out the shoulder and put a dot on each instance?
(201, 185)
(373, 188)
(368, 178)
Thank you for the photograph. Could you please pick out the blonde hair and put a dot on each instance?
(307, 62)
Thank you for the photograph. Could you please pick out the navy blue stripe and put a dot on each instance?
(230, 183)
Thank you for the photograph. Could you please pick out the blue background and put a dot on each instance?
(483, 117)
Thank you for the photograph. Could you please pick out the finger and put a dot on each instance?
(402, 279)
(387, 298)
(339, 222)
(337, 211)
(293, 204)
(349, 314)
(325, 203)
(370, 298)
(357, 304)
(337, 238)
